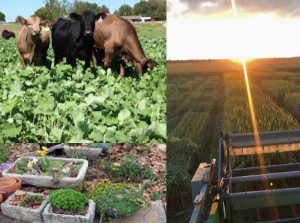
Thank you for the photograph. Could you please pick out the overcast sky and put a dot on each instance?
(206, 29)
(14, 8)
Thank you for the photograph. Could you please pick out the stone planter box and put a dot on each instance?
(82, 152)
(49, 217)
(22, 213)
(47, 181)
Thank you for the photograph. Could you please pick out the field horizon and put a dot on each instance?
(225, 65)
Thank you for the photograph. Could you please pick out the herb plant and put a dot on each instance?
(68, 199)
(128, 169)
(118, 199)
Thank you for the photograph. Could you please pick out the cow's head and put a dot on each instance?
(147, 64)
(87, 21)
(34, 24)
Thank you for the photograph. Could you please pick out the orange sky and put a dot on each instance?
(207, 29)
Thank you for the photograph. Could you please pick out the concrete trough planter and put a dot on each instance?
(22, 213)
(83, 152)
(47, 181)
(50, 217)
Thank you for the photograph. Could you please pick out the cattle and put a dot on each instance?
(33, 41)
(7, 34)
(117, 36)
(75, 39)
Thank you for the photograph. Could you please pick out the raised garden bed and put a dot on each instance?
(83, 152)
(50, 217)
(24, 213)
(45, 179)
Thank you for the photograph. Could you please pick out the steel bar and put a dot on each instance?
(263, 177)
(264, 136)
(286, 220)
(264, 169)
(197, 213)
(220, 161)
(266, 198)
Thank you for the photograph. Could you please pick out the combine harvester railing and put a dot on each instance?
(224, 200)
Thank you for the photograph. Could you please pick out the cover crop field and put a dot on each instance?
(61, 104)
(200, 104)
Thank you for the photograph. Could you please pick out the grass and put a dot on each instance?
(153, 30)
(14, 27)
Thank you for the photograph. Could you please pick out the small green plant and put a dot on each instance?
(4, 153)
(65, 199)
(157, 196)
(37, 200)
(117, 199)
(23, 162)
(19, 172)
(147, 185)
(128, 169)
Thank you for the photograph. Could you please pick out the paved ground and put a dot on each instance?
(154, 214)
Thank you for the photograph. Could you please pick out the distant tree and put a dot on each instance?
(93, 7)
(116, 12)
(50, 6)
(42, 13)
(125, 10)
(17, 19)
(140, 8)
(78, 7)
(104, 9)
(65, 7)
(2, 17)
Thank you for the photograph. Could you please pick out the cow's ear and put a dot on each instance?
(74, 16)
(47, 23)
(102, 14)
(22, 21)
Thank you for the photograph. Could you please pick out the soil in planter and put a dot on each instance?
(69, 211)
(27, 201)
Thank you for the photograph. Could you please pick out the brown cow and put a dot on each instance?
(33, 41)
(117, 36)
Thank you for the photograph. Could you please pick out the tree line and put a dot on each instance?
(155, 9)
(55, 9)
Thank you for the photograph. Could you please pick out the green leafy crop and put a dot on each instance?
(65, 199)
(61, 104)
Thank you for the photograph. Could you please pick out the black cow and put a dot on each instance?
(6, 34)
(75, 39)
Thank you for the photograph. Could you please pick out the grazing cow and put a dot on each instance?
(6, 34)
(117, 36)
(33, 41)
(75, 39)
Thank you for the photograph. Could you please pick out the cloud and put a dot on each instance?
(282, 8)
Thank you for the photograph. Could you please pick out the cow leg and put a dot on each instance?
(122, 68)
(94, 58)
(138, 68)
(108, 57)
(72, 60)
(56, 57)
(22, 61)
(44, 59)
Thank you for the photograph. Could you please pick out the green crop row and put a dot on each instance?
(237, 116)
